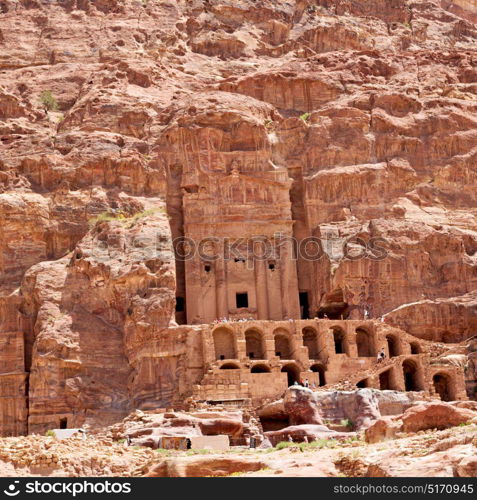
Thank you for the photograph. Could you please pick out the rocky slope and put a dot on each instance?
(370, 106)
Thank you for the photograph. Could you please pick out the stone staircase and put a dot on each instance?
(349, 381)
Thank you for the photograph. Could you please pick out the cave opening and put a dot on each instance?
(333, 306)
(362, 384)
(415, 348)
(274, 423)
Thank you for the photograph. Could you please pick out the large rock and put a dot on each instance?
(467, 467)
(304, 432)
(421, 417)
(301, 407)
(435, 416)
(383, 429)
(148, 429)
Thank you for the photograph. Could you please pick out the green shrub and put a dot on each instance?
(284, 444)
(346, 422)
(105, 216)
(305, 116)
(317, 444)
(50, 433)
(129, 221)
(48, 101)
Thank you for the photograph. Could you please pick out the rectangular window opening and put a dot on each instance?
(241, 300)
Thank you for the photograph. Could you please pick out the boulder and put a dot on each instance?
(467, 467)
(421, 417)
(300, 405)
(298, 433)
(436, 415)
(383, 429)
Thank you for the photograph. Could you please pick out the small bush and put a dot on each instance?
(50, 433)
(284, 444)
(346, 422)
(105, 216)
(268, 124)
(48, 102)
(121, 216)
(318, 444)
(305, 116)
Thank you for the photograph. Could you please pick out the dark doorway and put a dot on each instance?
(385, 380)
(441, 385)
(241, 300)
(363, 343)
(310, 341)
(393, 346)
(304, 305)
(339, 339)
(362, 384)
(274, 424)
(415, 348)
(254, 344)
(293, 373)
(63, 423)
(321, 373)
(180, 304)
(410, 376)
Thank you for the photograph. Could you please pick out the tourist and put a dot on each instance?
(381, 356)
(306, 383)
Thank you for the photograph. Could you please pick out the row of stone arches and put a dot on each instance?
(412, 378)
(364, 341)
(226, 347)
(292, 370)
(365, 344)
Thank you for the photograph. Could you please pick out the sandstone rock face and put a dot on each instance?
(349, 122)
